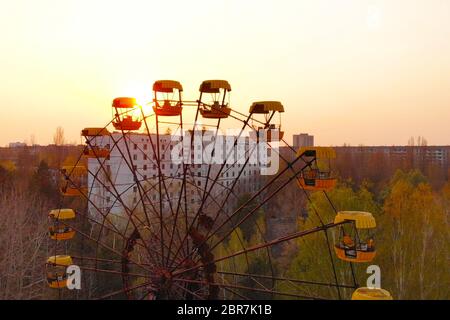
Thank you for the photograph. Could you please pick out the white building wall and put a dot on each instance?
(144, 160)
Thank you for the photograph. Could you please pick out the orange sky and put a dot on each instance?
(350, 71)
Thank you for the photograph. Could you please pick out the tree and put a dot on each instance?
(58, 137)
(413, 248)
(32, 140)
(248, 227)
(23, 235)
(43, 184)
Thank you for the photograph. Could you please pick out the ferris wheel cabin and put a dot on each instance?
(318, 176)
(58, 230)
(365, 293)
(74, 181)
(56, 271)
(94, 149)
(271, 131)
(124, 120)
(167, 98)
(356, 244)
(216, 107)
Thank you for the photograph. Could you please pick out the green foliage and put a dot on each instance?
(413, 249)
(43, 184)
(248, 227)
(6, 179)
(413, 177)
(312, 261)
(411, 238)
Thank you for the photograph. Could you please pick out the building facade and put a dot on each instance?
(302, 140)
(131, 177)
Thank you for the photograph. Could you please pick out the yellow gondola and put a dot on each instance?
(94, 132)
(371, 294)
(217, 107)
(318, 176)
(124, 121)
(56, 271)
(60, 231)
(167, 105)
(272, 132)
(353, 248)
(93, 137)
(317, 152)
(96, 152)
(74, 181)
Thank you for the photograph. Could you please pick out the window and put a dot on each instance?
(135, 157)
(134, 189)
(135, 146)
(145, 167)
(145, 146)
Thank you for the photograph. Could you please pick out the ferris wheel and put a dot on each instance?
(155, 208)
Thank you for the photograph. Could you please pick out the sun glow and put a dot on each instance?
(142, 93)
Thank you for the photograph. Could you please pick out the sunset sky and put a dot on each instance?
(350, 71)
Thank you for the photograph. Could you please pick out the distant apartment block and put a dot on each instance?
(302, 140)
(439, 155)
(17, 144)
